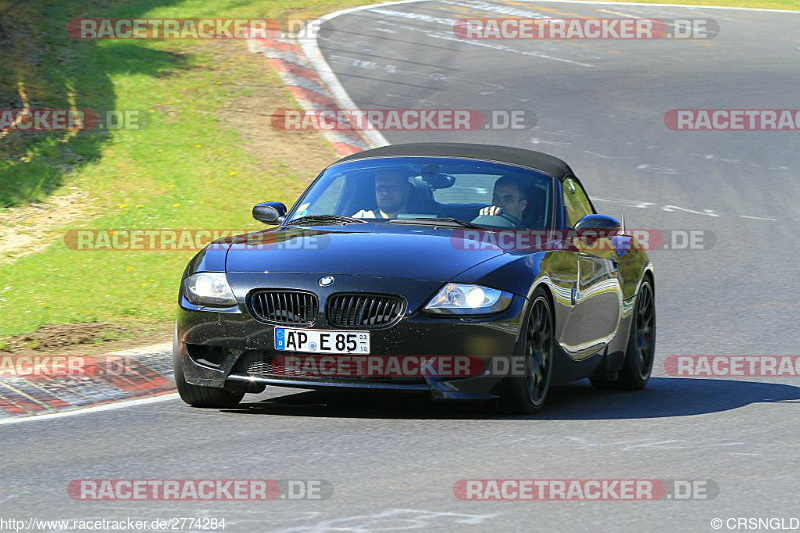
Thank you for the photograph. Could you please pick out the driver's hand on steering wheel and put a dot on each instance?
(490, 210)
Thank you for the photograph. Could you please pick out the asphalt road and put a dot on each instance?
(393, 462)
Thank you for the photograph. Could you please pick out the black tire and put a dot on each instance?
(198, 396)
(640, 351)
(526, 395)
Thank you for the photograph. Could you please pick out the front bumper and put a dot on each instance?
(226, 349)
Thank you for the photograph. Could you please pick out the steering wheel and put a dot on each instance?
(506, 220)
(512, 219)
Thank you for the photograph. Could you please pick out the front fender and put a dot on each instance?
(521, 274)
(633, 262)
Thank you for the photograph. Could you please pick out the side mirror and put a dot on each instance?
(269, 212)
(598, 222)
(592, 227)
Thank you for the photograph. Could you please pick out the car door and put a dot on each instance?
(596, 294)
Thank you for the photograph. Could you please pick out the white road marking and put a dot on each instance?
(415, 16)
(388, 68)
(448, 37)
(657, 444)
(673, 208)
(629, 203)
(706, 212)
(393, 519)
(88, 410)
(605, 156)
(495, 8)
(713, 157)
(619, 14)
(537, 140)
(759, 218)
(598, 155)
(507, 49)
(658, 170)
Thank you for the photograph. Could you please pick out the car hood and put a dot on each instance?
(397, 251)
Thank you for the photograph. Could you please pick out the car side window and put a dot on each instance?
(576, 203)
(325, 201)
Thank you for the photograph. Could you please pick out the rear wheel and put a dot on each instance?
(640, 352)
(527, 394)
(198, 396)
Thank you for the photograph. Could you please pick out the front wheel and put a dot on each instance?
(526, 395)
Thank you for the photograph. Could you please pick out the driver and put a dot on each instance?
(391, 193)
(509, 198)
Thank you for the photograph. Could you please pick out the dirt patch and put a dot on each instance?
(29, 229)
(301, 150)
(305, 152)
(87, 338)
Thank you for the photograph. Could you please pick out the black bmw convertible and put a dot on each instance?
(464, 271)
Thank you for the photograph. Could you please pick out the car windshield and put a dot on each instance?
(422, 189)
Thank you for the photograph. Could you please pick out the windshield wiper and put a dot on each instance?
(326, 218)
(436, 222)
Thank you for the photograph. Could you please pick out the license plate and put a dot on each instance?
(319, 341)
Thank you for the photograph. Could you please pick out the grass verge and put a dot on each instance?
(207, 155)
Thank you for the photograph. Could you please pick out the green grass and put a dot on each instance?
(763, 4)
(185, 170)
(54, 70)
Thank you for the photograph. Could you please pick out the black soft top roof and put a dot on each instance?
(485, 152)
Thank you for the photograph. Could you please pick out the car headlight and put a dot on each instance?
(464, 299)
(209, 288)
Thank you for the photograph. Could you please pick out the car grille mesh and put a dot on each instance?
(259, 364)
(287, 308)
(364, 310)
